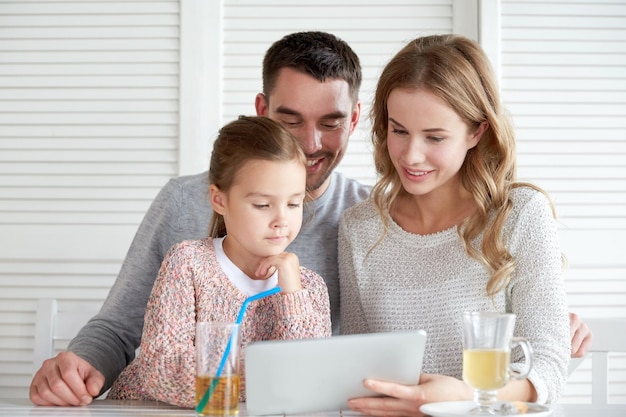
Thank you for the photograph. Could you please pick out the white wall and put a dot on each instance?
(101, 102)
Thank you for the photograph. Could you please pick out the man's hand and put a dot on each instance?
(65, 380)
(581, 336)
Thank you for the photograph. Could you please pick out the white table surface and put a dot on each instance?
(115, 408)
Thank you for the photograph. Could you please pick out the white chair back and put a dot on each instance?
(52, 326)
(609, 335)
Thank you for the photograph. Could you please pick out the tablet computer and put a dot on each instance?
(315, 375)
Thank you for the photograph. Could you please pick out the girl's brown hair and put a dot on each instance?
(242, 140)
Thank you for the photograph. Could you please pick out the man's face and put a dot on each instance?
(320, 114)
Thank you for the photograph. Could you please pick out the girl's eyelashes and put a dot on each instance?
(264, 206)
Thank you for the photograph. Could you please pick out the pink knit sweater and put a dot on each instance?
(191, 287)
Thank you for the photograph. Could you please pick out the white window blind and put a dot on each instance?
(88, 135)
(564, 81)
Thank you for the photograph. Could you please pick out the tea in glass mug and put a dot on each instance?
(486, 369)
(487, 342)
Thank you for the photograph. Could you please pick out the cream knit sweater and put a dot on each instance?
(411, 281)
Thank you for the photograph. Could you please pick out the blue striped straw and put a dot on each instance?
(220, 368)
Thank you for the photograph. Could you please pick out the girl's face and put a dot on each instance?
(263, 208)
(427, 141)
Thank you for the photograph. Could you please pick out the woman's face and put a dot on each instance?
(427, 141)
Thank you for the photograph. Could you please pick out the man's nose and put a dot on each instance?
(311, 139)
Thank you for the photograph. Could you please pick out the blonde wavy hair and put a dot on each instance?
(457, 71)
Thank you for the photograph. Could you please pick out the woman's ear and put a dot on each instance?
(218, 199)
(478, 133)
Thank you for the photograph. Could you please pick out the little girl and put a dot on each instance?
(257, 188)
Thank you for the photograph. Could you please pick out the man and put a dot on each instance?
(311, 82)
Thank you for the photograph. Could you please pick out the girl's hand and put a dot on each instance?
(406, 400)
(288, 267)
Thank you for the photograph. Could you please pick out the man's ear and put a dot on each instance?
(354, 118)
(260, 105)
(218, 199)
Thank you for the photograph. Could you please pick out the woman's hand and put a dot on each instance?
(406, 400)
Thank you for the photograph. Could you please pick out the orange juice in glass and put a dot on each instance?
(217, 373)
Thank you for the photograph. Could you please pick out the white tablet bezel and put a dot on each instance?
(315, 375)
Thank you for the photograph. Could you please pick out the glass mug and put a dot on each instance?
(487, 342)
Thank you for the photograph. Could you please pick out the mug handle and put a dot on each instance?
(528, 357)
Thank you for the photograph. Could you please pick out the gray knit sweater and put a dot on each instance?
(411, 281)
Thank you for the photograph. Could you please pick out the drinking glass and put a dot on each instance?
(487, 342)
(217, 375)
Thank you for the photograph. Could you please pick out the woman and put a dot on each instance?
(449, 229)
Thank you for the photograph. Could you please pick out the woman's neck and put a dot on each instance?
(432, 213)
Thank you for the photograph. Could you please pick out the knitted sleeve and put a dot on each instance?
(167, 347)
(537, 296)
(306, 313)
